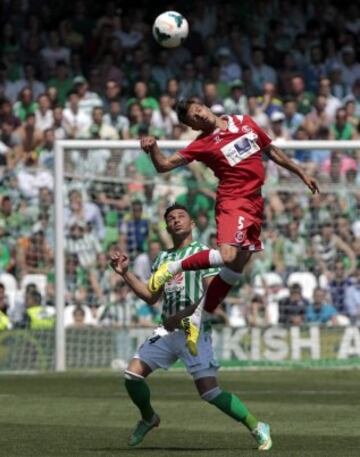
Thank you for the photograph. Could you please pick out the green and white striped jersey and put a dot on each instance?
(186, 288)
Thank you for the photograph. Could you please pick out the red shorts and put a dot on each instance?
(239, 222)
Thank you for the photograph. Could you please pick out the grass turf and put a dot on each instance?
(312, 413)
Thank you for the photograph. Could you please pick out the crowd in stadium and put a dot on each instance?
(76, 71)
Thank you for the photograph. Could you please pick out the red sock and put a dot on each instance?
(198, 261)
(216, 293)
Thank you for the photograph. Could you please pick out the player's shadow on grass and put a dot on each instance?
(163, 448)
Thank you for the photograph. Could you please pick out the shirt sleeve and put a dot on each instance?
(193, 150)
(264, 139)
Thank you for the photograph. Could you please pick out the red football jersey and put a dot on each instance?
(234, 155)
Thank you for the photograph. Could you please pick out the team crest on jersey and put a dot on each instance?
(239, 236)
(217, 139)
(176, 281)
(245, 128)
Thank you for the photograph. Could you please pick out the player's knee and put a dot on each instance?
(131, 376)
(211, 394)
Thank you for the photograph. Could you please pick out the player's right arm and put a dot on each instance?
(160, 161)
(120, 264)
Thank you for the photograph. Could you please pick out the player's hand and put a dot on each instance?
(311, 183)
(119, 262)
(147, 143)
(172, 322)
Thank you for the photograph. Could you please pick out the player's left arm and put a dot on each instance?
(160, 161)
(281, 159)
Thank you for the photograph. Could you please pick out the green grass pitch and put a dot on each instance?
(312, 413)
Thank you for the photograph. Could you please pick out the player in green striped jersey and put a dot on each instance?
(179, 298)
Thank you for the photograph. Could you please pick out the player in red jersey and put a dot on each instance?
(232, 147)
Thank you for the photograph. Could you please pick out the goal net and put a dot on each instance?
(293, 306)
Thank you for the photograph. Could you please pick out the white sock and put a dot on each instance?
(215, 258)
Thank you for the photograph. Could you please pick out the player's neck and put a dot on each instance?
(182, 242)
(221, 123)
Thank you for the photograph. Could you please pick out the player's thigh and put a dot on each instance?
(157, 352)
(206, 384)
(204, 364)
(234, 257)
(139, 367)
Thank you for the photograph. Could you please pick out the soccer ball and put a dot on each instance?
(170, 29)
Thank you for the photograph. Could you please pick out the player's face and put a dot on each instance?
(199, 117)
(179, 223)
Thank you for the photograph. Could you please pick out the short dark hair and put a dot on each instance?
(182, 107)
(173, 207)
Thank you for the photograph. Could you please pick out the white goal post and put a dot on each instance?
(62, 145)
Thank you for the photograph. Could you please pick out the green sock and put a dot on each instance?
(139, 393)
(231, 405)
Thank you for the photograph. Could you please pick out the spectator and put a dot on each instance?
(338, 284)
(119, 122)
(141, 97)
(237, 102)
(76, 121)
(277, 129)
(25, 104)
(37, 316)
(319, 311)
(210, 95)
(61, 81)
(5, 321)
(258, 312)
(136, 229)
(268, 101)
(293, 119)
(189, 85)
(229, 68)
(332, 103)
(261, 73)
(85, 245)
(86, 212)
(342, 129)
(304, 99)
(352, 298)
(44, 117)
(350, 68)
(290, 253)
(161, 71)
(34, 254)
(46, 151)
(54, 52)
(327, 248)
(120, 311)
(293, 308)
(203, 228)
(143, 262)
(165, 118)
(78, 317)
(60, 128)
(87, 100)
(317, 118)
(30, 81)
(100, 129)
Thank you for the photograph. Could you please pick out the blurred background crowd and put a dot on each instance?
(84, 70)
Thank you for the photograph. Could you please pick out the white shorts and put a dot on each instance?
(163, 351)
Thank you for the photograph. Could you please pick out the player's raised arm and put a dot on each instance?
(278, 156)
(119, 262)
(160, 161)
